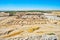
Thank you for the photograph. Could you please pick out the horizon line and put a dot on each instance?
(33, 10)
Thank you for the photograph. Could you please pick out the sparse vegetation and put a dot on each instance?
(51, 33)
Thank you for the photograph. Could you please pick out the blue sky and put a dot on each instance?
(29, 4)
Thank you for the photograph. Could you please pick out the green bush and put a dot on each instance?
(51, 34)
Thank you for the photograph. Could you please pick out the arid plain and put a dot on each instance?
(26, 24)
